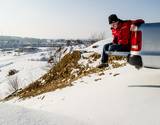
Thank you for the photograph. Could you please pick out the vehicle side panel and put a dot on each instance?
(150, 51)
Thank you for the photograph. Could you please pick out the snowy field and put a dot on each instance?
(30, 66)
(122, 96)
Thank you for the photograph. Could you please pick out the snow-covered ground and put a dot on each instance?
(122, 96)
(29, 67)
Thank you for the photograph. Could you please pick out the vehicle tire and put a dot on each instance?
(136, 61)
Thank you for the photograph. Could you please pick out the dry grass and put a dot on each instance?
(62, 75)
(95, 56)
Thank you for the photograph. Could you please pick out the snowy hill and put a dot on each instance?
(115, 96)
(22, 63)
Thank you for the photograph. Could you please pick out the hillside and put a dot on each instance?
(18, 42)
(118, 95)
(71, 67)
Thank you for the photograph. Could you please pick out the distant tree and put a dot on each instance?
(68, 42)
(98, 36)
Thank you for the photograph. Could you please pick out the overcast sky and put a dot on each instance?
(70, 18)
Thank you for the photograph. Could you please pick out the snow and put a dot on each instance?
(99, 45)
(29, 70)
(24, 116)
(122, 96)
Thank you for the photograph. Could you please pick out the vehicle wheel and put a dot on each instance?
(136, 61)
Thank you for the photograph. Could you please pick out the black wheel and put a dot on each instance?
(136, 61)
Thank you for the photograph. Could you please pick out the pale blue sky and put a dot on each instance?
(70, 18)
